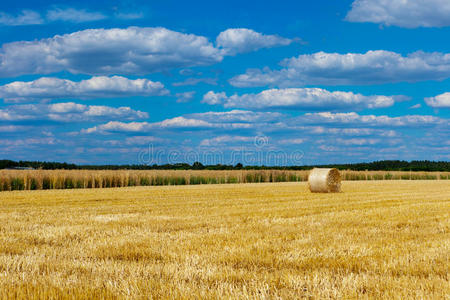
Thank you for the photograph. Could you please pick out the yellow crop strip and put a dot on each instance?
(377, 239)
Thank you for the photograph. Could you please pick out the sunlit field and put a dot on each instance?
(377, 239)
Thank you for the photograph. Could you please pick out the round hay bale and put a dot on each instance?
(324, 180)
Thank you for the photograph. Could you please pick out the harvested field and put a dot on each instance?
(378, 239)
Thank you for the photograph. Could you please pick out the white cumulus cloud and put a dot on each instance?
(241, 40)
(373, 67)
(26, 17)
(357, 141)
(440, 101)
(115, 126)
(237, 116)
(132, 50)
(182, 122)
(225, 139)
(185, 96)
(188, 122)
(68, 14)
(213, 98)
(323, 123)
(174, 123)
(300, 98)
(402, 13)
(67, 112)
(13, 128)
(353, 118)
(74, 15)
(296, 141)
(95, 87)
(321, 130)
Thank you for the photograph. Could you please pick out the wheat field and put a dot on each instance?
(376, 239)
(11, 180)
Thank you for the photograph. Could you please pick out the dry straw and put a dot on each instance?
(324, 181)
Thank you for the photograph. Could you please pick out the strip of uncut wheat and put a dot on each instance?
(69, 179)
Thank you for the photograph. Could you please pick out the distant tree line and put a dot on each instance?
(384, 165)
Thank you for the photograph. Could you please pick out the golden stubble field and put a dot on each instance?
(377, 239)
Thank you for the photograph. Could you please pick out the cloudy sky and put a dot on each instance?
(271, 82)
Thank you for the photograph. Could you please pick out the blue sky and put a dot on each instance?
(257, 82)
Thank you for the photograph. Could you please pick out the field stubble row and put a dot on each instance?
(381, 240)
